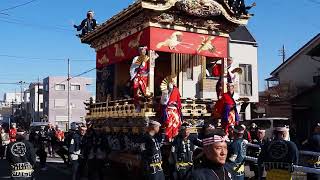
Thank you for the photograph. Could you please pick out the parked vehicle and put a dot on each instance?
(268, 123)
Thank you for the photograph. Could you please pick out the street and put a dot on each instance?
(56, 170)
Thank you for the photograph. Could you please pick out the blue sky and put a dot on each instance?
(42, 31)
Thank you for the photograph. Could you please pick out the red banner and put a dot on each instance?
(188, 43)
(125, 49)
(164, 40)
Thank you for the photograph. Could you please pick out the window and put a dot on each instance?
(60, 87)
(46, 104)
(72, 105)
(75, 87)
(245, 80)
(40, 91)
(41, 105)
(46, 87)
(60, 103)
(61, 118)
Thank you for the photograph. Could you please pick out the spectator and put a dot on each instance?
(246, 135)
(13, 132)
(59, 134)
(215, 154)
(313, 144)
(237, 152)
(75, 152)
(5, 140)
(279, 155)
(253, 131)
(254, 152)
(50, 137)
(21, 157)
(41, 152)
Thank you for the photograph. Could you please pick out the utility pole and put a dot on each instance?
(68, 94)
(282, 52)
(38, 103)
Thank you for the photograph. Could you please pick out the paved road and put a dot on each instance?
(56, 171)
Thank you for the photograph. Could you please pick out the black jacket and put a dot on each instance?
(210, 171)
(22, 158)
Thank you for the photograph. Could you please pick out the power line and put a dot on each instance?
(19, 5)
(35, 25)
(78, 75)
(13, 83)
(5, 14)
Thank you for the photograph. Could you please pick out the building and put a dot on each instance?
(298, 73)
(55, 98)
(36, 101)
(244, 51)
(5, 114)
(12, 98)
(296, 91)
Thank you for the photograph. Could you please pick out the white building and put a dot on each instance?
(12, 98)
(36, 101)
(56, 99)
(244, 51)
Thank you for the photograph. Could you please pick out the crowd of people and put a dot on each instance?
(211, 154)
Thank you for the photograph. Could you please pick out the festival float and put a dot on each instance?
(151, 64)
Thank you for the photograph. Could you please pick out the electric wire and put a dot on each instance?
(19, 5)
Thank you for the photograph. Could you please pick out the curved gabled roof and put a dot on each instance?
(159, 6)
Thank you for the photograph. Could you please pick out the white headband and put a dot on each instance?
(214, 139)
(281, 129)
(238, 131)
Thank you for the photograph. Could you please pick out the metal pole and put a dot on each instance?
(68, 94)
(38, 103)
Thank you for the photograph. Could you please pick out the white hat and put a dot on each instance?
(90, 12)
(282, 128)
(154, 123)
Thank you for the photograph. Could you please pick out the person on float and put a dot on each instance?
(171, 108)
(151, 154)
(229, 112)
(217, 71)
(139, 72)
(87, 25)
(279, 155)
(215, 152)
(239, 8)
(236, 154)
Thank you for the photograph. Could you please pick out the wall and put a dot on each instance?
(190, 87)
(77, 99)
(299, 72)
(246, 54)
(33, 88)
